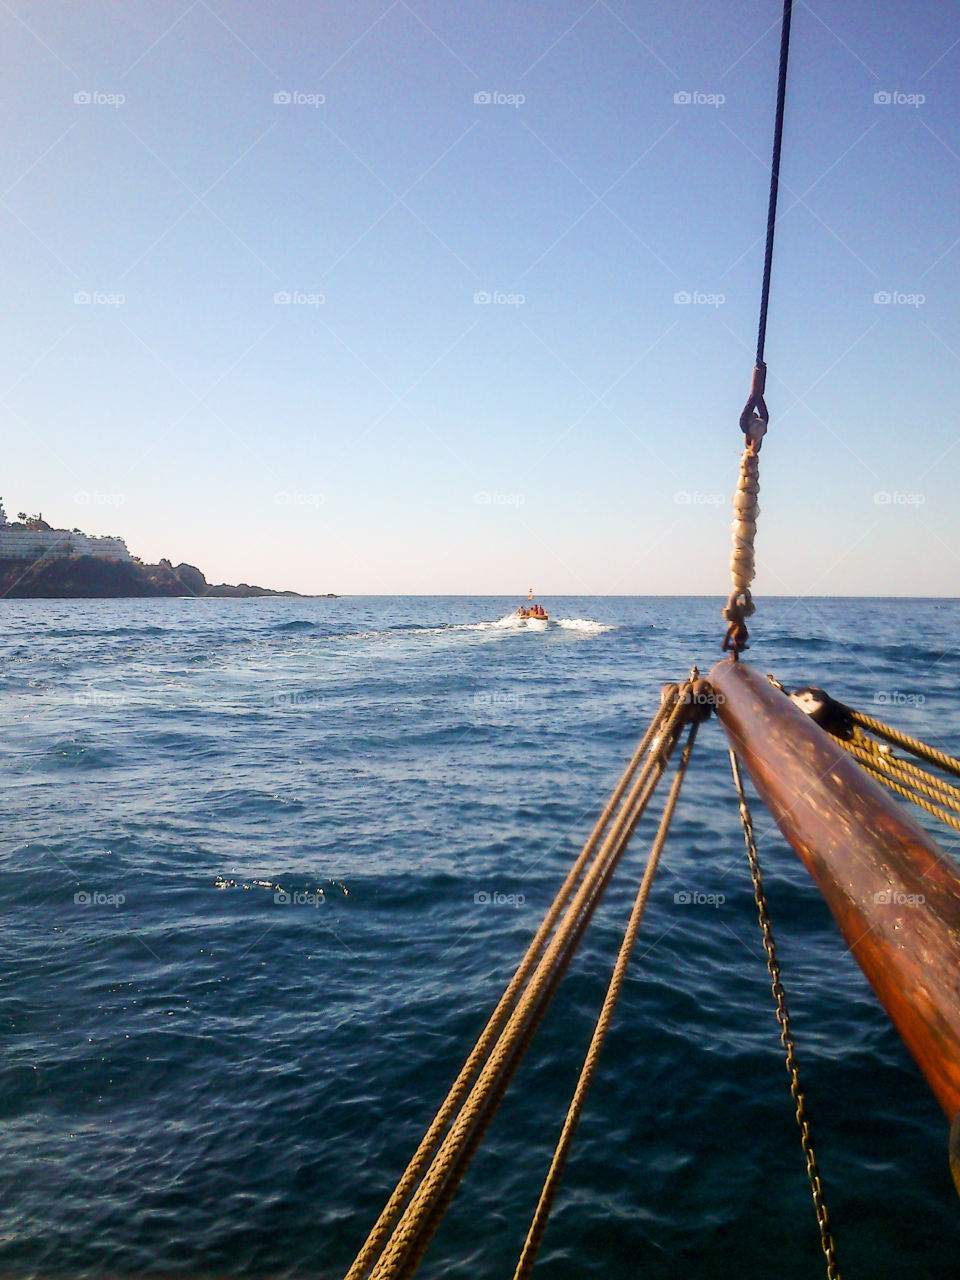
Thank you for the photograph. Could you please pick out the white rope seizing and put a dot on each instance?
(746, 508)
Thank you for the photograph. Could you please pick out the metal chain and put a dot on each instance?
(783, 1018)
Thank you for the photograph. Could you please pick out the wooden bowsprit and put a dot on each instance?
(894, 894)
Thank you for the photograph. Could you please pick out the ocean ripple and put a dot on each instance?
(271, 864)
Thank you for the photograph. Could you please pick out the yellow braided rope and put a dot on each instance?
(458, 1090)
(950, 764)
(418, 1218)
(911, 775)
(868, 760)
(419, 1211)
(552, 1182)
(493, 1100)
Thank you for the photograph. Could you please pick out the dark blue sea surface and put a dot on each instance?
(246, 948)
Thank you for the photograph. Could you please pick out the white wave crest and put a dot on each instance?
(584, 624)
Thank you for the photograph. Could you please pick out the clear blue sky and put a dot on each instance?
(399, 436)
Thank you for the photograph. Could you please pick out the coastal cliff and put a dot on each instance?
(91, 577)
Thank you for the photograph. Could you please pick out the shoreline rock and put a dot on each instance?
(93, 578)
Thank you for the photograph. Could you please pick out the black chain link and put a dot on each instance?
(783, 1018)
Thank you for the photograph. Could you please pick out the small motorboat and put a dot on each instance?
(531, 612)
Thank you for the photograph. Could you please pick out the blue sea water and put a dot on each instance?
(201, 1080)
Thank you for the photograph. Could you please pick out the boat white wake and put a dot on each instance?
(512, 622)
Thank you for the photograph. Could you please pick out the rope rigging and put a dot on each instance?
(404, 1229)
(755, 416)
(401, 1235)
(774, 182)
(871, 741)
(458, 1091)
(564, 1142)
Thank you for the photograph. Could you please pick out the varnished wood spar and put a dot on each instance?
(894, 894)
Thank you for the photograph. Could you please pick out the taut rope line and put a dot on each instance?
(949, 764)
(401, 1234)
(460, 1087)
(418, 1214)
(896, 775)
(755, 416)
(432, 1222)
(552, 1182)
(852, 730)
(774, 180)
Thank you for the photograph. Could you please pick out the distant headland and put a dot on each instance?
(38, 561)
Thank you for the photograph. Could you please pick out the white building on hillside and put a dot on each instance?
(27, 544)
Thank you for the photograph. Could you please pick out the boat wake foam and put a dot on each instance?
(510, 624)
(584, 624)
(513, 623)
